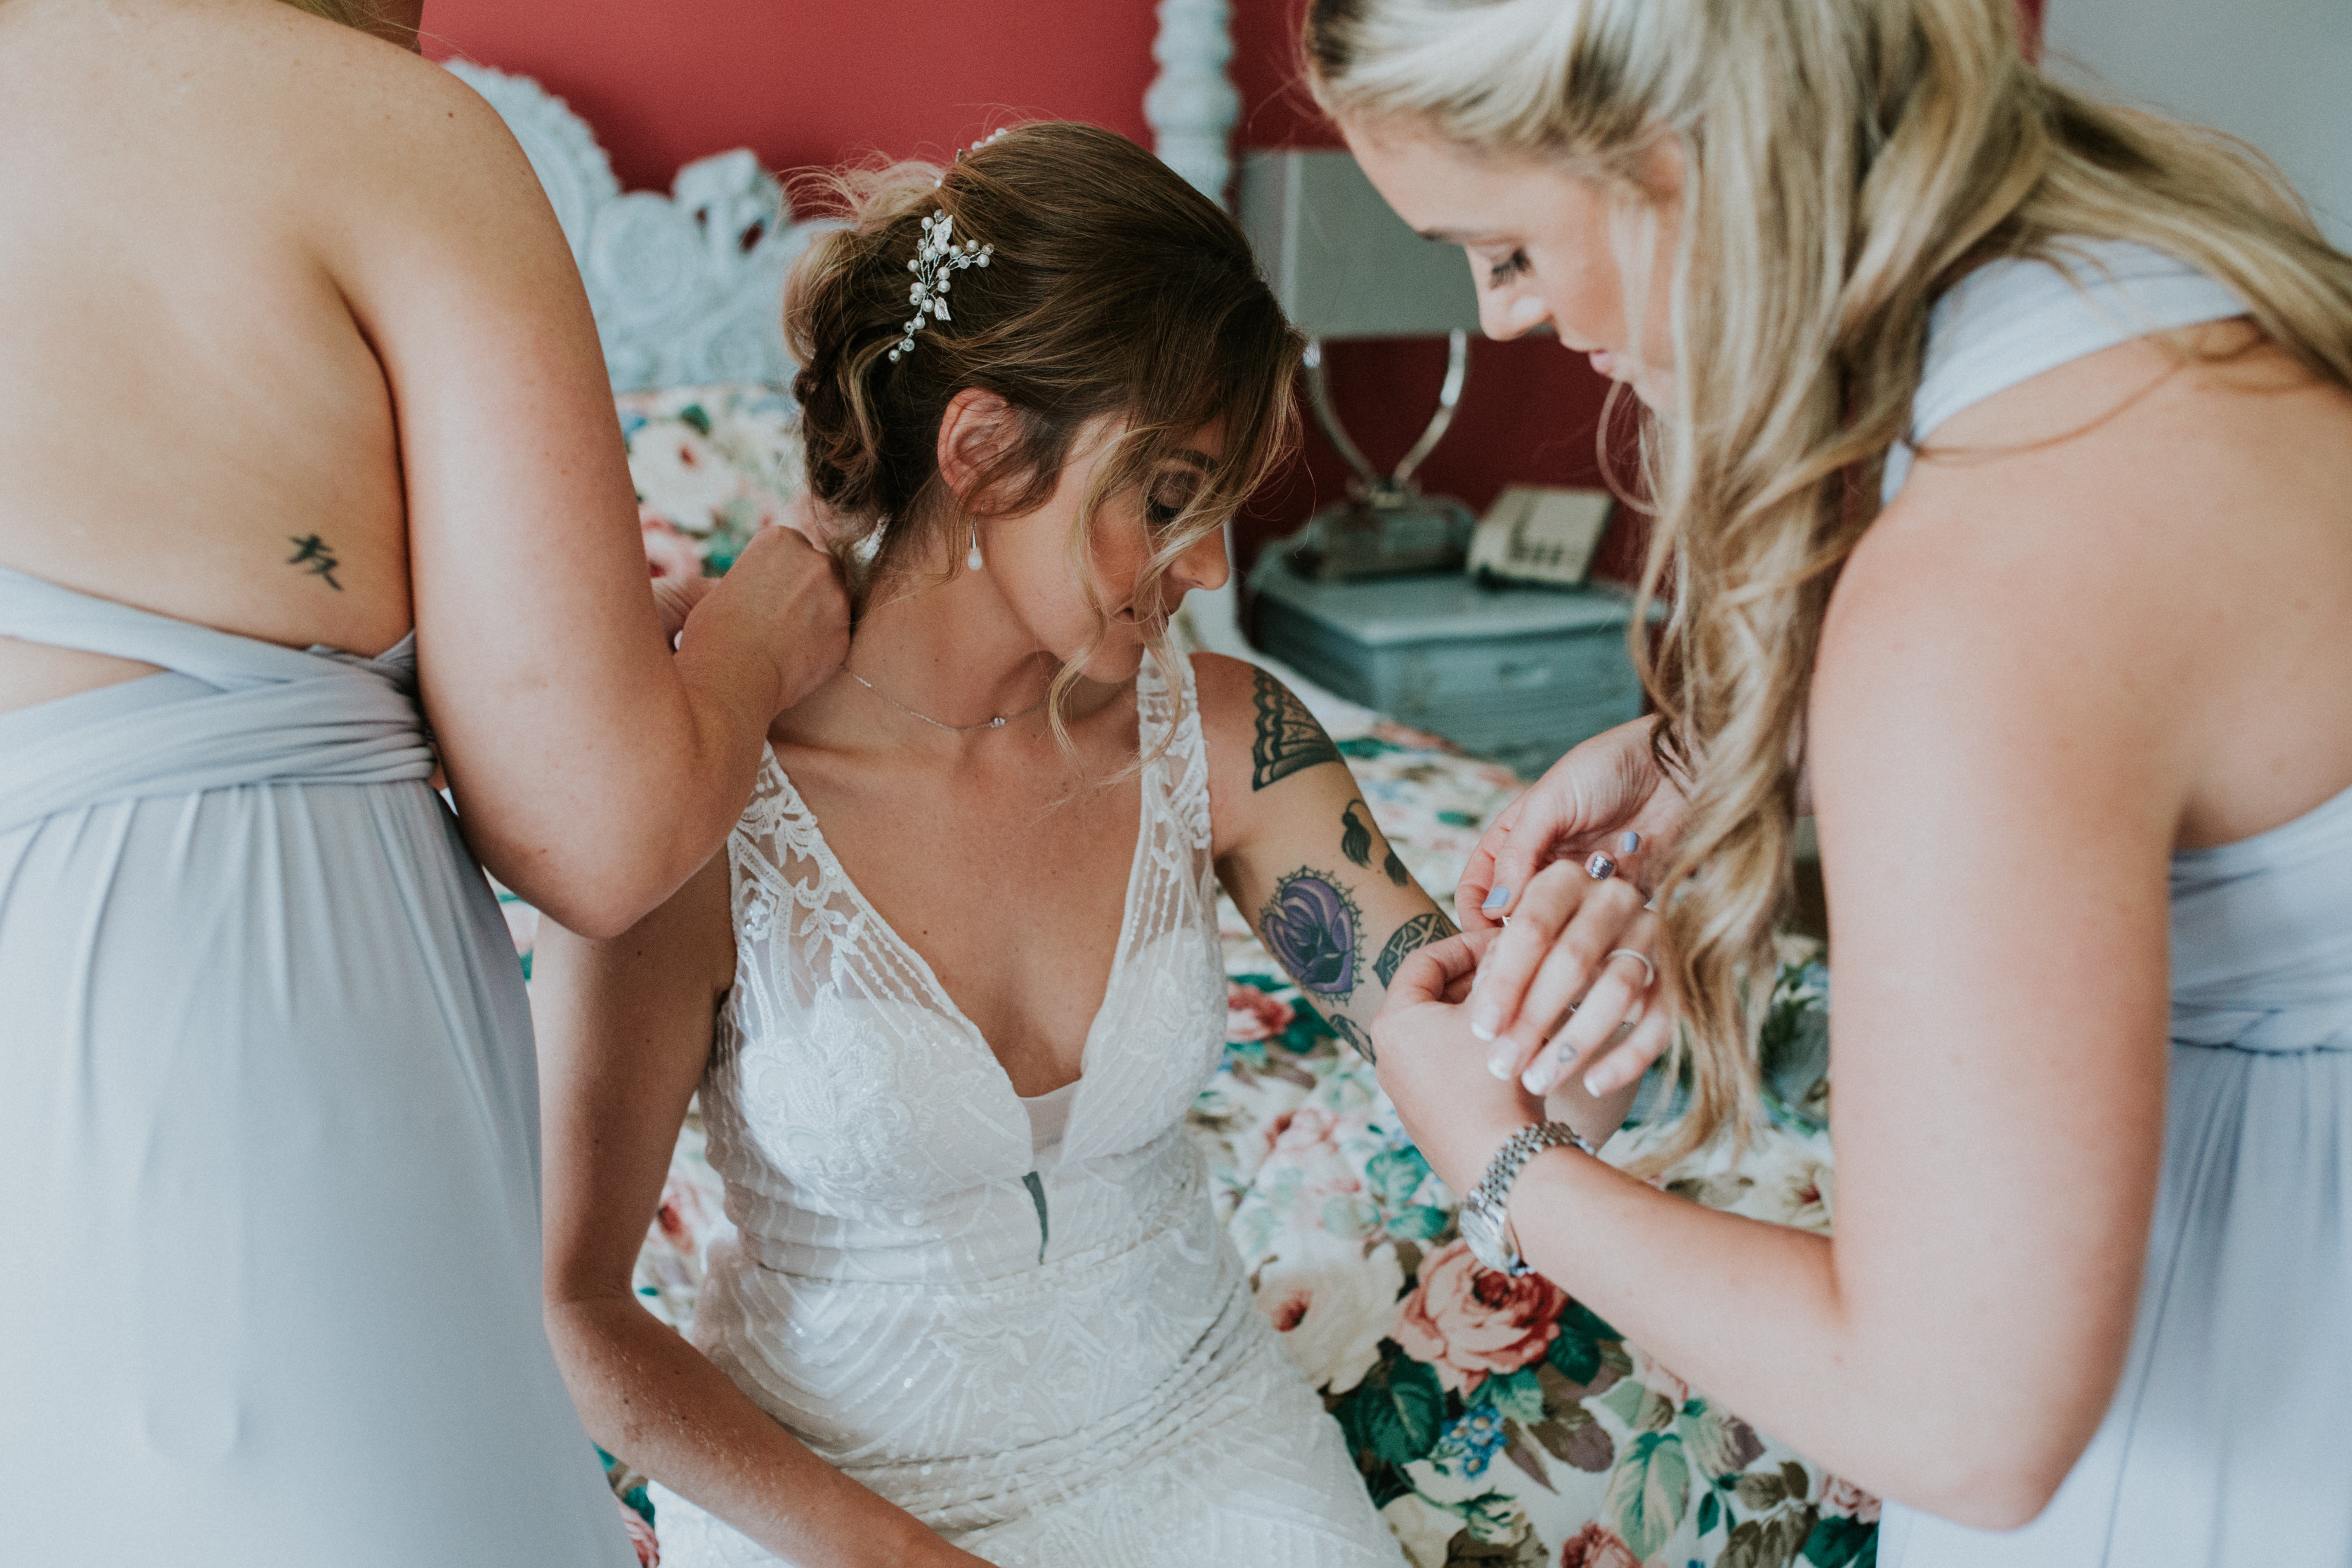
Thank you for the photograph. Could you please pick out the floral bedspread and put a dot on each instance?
(1495, 1421)
(712, 466)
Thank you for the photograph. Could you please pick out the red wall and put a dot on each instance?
(804, 82)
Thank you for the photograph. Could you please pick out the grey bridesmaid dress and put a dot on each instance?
(2223, 1446)
(268, 1131)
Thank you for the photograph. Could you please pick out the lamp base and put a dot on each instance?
(1357, 539)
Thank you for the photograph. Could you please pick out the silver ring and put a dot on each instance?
(1649, 970)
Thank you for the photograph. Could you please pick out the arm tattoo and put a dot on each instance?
(1311, 927)
(1352, 1032)
(1418, 932)
(316, 556)
(1288, 738)
(1355, 844)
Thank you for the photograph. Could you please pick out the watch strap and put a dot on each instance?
(1493, 1189)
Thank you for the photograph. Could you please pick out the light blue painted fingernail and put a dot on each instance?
(1628, 842)
(1497, 898)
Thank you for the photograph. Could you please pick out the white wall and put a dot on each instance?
(2276, 72)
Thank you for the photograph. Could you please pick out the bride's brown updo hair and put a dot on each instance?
(1115, 290)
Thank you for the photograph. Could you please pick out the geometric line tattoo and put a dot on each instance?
(1352, 1032)
(1288, 738)
(1416, 933)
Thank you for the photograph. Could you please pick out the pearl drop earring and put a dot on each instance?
(971, 556)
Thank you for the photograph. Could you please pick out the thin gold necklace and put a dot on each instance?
(996, 723)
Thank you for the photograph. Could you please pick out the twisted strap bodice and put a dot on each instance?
(2261, 938)
(248, 711)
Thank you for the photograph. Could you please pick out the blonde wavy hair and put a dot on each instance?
(1846, 161)
(1116, 292)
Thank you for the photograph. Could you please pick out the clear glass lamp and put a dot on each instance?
(1343, 265)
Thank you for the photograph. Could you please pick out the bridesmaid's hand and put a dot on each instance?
(783, 601)
(674, 600)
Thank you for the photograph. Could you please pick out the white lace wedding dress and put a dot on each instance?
(1049, 1355)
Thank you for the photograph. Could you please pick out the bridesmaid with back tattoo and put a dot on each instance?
(305, 441)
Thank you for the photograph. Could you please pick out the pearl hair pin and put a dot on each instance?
(936, 258)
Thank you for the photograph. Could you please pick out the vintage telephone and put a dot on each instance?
(1538, 535)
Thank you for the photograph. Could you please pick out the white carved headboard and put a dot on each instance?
(687, 288)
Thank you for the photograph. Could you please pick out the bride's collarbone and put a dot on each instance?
(1014, 897)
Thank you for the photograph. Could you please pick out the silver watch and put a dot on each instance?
(1486, 1210)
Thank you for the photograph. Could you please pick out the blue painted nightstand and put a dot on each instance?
(1517, 674)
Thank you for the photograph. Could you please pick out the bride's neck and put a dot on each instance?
(952, 650)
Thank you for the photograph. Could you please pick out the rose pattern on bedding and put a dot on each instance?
(1498, 1420)
(712, 466)
(1495, 1421)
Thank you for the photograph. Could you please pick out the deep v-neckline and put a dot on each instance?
(949, 1007)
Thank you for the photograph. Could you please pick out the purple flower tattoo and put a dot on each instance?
(1311, 926)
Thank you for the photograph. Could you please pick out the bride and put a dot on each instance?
(976, 1307)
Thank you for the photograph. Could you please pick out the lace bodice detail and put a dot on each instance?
(849, 1089)
(1052, 1358)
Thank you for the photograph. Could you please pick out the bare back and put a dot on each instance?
(192, 419)
(296, 350)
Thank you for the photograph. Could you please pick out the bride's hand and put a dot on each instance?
(1603, 808)
(1430, 1064)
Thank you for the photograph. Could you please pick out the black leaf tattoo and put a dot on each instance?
(1355, 844)
(1288, 738)
(1418, 932)
(1355, 1034)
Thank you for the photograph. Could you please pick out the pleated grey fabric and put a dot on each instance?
(269, 1128)
(2225, 1442)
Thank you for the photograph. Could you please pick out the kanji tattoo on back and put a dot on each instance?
(316, 556)
(1288, 738)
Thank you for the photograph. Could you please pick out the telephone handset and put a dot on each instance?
(1540, 534)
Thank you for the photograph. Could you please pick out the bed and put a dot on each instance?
(1495, 1421)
